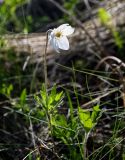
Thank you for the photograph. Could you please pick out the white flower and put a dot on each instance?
(58, 37)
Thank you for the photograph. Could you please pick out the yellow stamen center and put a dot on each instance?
(58, 34)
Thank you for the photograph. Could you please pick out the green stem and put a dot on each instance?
(46, 86)
(45, 62)
(85, 145)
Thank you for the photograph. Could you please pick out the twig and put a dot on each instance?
(99, 97)
(30, 153)
(32, 132)
(120, 62)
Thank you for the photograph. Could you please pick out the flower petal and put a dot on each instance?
(53, 43)
(63, 43)
(58, 37)
(67, 30)
(63, 26)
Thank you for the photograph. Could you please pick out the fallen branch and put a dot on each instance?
(34, 43)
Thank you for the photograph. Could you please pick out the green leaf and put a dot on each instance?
(43, 98)
(97, 108)
(118, 39)
(71, 106)
(104, 16)
(59, 96)
(50, 100)
(23, 97)
(85, 119)
(6, 90)
(53, 92)
(95, 113)
(59, 120)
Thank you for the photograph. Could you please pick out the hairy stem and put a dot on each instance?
(45, 62)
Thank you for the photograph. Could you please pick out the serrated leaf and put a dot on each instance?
(59, 120)
(96, 108)
(85, 119)
(95, 113)
(53, 92)
(59, 96)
